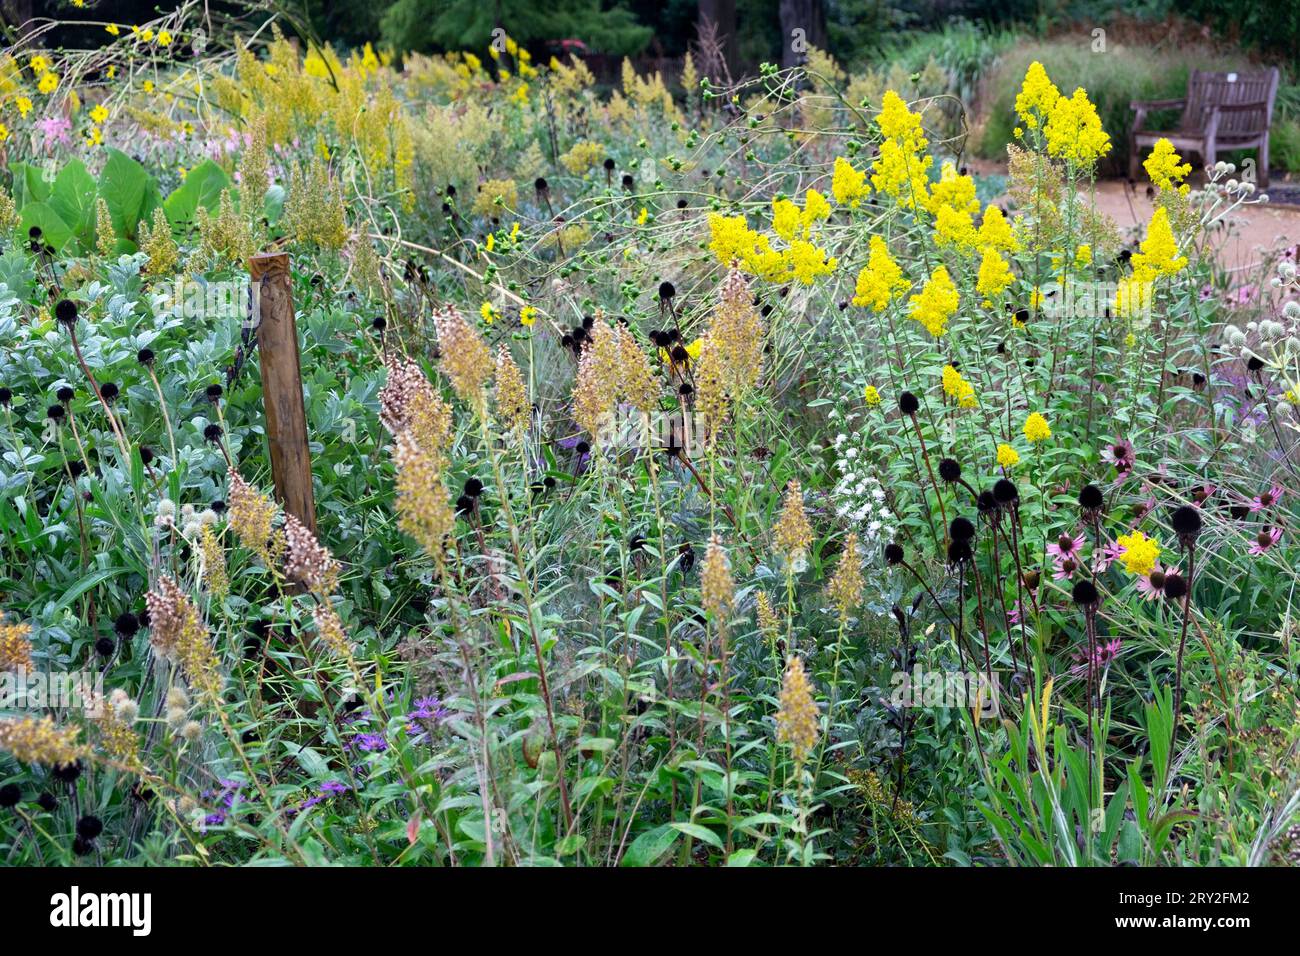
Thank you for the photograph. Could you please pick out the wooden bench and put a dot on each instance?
(1221, 112)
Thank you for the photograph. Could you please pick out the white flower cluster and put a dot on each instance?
(858, 495)
(191, 521)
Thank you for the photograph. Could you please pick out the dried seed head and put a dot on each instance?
(793, 532)
(465, 361)
(513, 406)
(797, 719)
(845, 588)
(718, 590)
(306, 560)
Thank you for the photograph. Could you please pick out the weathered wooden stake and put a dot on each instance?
(286, 416)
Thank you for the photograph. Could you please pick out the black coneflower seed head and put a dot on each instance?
(76, 468)
(1031, 579)
(582, 447)
(65, 394)
(10, 794)
(65, 310)
(143, 616)
(47, 801)
(627, 181)
(473, 487)
(6, 396)
(609, 164)
(213, 392)
(680, 355)
(212, 433)
(566, 341)
(959, 552)
(105, 646)
(1157, 579)
(55, 413)
(986, 502)
(666, 291)
(949, 470)
(681, 204)
(34, 232)
(126, 624)
(549, 482)
(145, 357)
(1186, 521)
(379, 323)
(464, 505)
(961, 529)
(1175, 586)
(68, 772)
(1004, 492)
(218, 506)
(1254, 363)
(146, 454)
(908, 403)
(686, 389)
(1085, 594)
(1090, 498)
(109, 391)
(893, 553)
(540, 184)
(579, 334)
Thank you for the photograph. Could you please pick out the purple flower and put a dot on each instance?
(333, 786)
(370, 743)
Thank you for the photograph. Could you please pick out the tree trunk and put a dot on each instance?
(803, 24)
(718, 19)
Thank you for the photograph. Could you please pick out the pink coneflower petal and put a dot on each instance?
(1265, 540)
(1065, 546)
(1150, 586)
(1266, 500)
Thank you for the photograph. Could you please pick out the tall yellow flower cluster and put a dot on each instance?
(802, 260)
(848, 185)
(1074, 132)
(464, 356)
(1164, 169)
(936, 303)
(881, 280)
(845, 588)
(995, 275)
(957, 387)
(1038, 94)
(900, 170)
(717, 589)
(40, 740)
(1159, 257)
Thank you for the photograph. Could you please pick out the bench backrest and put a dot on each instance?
(1206, 90)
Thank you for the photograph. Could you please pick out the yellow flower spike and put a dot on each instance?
(871, 396)
(1036, 428)
(1008, 457)
(1163, 166)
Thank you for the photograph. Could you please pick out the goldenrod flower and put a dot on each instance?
(848, 185)
(1038, 94)
(881, 280)
(1159, 253)
(1138, 553)
(1163, 167)
(871, 396)
(1036, 428)
(1074, 132)
(1008, 457)
(936, 303)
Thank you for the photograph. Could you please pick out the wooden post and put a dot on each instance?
(286, 416)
